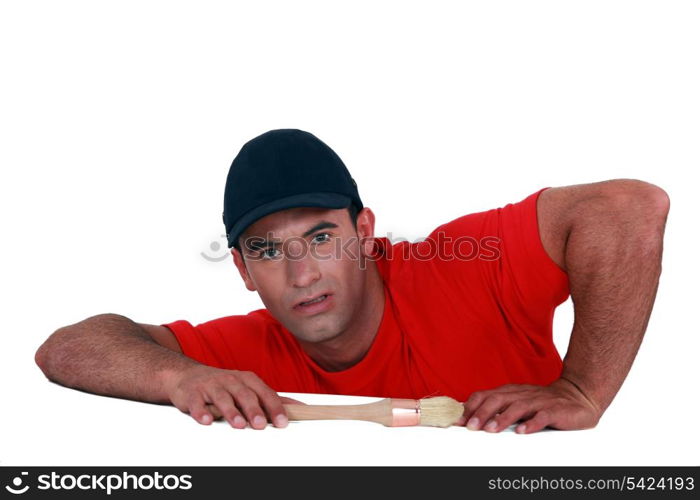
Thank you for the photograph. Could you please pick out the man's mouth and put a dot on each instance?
(314, 300)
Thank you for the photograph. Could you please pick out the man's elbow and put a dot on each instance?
(48, 355)
(660, 200)
(40, 357)
(43, 353)
(644, 197)
(56, 351)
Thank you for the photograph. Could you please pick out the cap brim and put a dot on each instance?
(322, 200)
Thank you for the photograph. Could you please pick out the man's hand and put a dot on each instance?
(561, 405)
(240, 397)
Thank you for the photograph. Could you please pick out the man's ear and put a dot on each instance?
(365, 230)
(243, 269)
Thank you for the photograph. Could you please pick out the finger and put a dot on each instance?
(509, 388)
(476, 398)
(517, 410)
(473, 402)
(493, 404)
(247, 400)
(541, 420)
(198, 411)
(227, 408)
(270, 402)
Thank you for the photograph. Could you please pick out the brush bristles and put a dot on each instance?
(441, 411)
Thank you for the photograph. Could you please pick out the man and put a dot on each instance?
(466, 312)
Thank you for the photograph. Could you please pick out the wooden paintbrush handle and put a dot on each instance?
(379, 411)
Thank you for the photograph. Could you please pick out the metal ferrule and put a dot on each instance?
(405, 412)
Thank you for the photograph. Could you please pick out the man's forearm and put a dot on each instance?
(613, 258)
(111, 355)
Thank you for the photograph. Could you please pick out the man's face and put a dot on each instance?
(302, 253)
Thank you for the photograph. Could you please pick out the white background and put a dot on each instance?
(119, 121)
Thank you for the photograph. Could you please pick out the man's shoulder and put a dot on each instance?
(255, 323)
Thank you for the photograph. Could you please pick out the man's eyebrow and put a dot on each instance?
(259, 243)
(321, 225)
(254, 243)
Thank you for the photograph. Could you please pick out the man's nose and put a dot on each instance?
(302, 265)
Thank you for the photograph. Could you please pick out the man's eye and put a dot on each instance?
(265, 255)
(323, 234)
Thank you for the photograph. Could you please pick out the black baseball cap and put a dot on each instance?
(281, 169)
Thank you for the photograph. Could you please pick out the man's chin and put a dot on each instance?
(317, 336)
(315, 329)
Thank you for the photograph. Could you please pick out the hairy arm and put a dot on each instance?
(608, 237)
(111, 355)
(613, 257)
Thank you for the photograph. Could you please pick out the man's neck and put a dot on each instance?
(349, 348)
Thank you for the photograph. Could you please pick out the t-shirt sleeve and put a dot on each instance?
(528, 274)
(232, 342)
(499, 252)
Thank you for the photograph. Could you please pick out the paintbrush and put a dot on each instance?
(441, 411)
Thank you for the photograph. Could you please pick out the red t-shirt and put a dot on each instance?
(474, 315)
